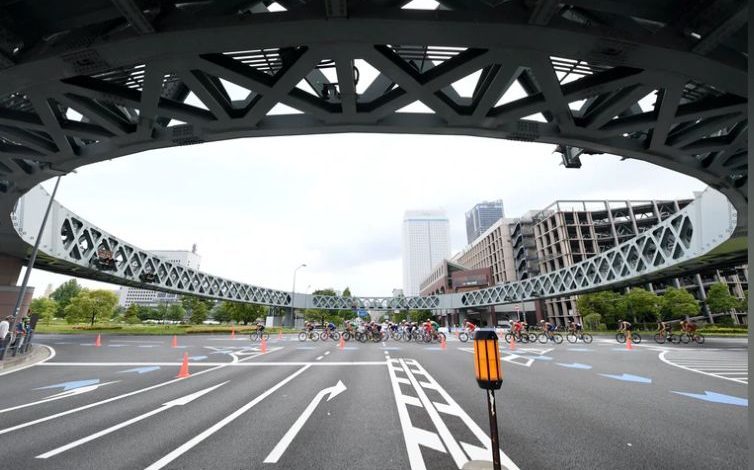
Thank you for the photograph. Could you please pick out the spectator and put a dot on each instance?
(4, 327)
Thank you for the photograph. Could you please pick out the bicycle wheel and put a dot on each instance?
(302, 336)
(361, 337)
(463, 337)
(313, 336)
(699, 339)
(571, 338)
(508, 337)
(675, 339)
(557, 337)
(660, 339)
(346, 336)
(266, 335)
(252, 337)
(635, 338)
(684, 338)
(620, 337)
(442, 338)
(323, 336)
(532, 337)
(586, 338)
(335, 336)
(542, 338)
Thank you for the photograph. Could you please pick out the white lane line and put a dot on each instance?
(226, 364)
(115, 398)
(286, 440)
(327, 352)
(475, 452)
(177, 402)
(69, 393)
(450, 443)
(52, 354)
(221, 424)
(669, 362)
(410, 436)
(319, 357)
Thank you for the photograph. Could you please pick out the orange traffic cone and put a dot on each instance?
(342, 344)
(98, 342)
(263, 346)
(628, 343)
(184, 372)
(280, 334)
(512, 345)
(443, 346)
(174, 343)
(232, 332)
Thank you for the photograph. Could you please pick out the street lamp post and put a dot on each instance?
(293, 292)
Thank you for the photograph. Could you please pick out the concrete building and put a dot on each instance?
(567, 232)
(481, 217)
(425, 242)
(492, 249)
(151, 298)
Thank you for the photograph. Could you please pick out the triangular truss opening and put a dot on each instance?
(193, 100)
(421, 5)
(466, 86)
(283, 109)
(303, 85)
(175, 122)
(234, 91)
(417, 107)
(73, 115)
(514, 92)
(366, 75)
(539, 117)
(648, 102)
(275, 7)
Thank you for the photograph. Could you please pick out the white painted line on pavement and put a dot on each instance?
(286, 440)
(58, 396)
(327, 352)
(52, 354)
(221, 424)
(225, 364)
(669, 362)
(319, 357)
(118, 397)
(177, 402)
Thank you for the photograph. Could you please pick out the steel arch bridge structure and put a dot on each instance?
(664, 81)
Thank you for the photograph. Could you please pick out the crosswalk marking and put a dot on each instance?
(719, 363)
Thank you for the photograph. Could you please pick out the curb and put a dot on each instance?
(39, 353)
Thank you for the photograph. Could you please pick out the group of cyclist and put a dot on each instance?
(374, 330)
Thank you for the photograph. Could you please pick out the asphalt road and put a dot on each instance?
(392, 406)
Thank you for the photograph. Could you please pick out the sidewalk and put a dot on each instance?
(38, 353)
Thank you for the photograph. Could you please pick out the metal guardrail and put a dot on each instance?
(15, 345)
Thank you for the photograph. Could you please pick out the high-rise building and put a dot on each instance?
(481, 217)
(426, 242)
(151, 298)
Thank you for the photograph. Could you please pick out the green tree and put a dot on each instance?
(743, 304)
(592, 321)
(176, 312)
(643, 305)
(91, 306)
(222, 312)
(64, 293)
(148, 313)
(46, 308)
(323, 315)
(678, 304)
(199, 313)
(719, 299)
(419, 316)
(609, 305)
(192, 302)
(131, 315)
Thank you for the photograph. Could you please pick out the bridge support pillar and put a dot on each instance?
(492, 315)
(10, 270)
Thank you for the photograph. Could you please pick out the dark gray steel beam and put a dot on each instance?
(543, 11)
(131, 12)
(723, 30)
(666, 106)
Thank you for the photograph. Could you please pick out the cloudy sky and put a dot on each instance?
(257, 208)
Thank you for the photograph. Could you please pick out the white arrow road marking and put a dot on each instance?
(177, 402)
(188, 445)
(58, 396)
(281, 446)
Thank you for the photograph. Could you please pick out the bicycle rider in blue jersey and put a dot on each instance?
(331, 326)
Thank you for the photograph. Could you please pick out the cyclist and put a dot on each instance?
(571, 326)
(470, 327)
(688, 327)
(309, 326)
(625, 327)
(664, 328)
(260, 326)
(518, 326)
(435, 325)
(547, 328)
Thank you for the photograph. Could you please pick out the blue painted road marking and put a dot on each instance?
(197, 358)
(629, 378)
(536, 358)
(71, 385)
(716, 398)
(141, 370)
(574, 365)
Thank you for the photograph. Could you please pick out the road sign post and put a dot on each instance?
(489, 376)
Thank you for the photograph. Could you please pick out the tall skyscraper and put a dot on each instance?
(426, 242)
(481, 217)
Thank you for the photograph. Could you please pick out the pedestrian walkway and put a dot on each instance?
(724, 364)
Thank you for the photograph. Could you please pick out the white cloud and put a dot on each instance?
(257, 208)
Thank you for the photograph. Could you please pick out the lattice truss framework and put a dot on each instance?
(675, 240)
